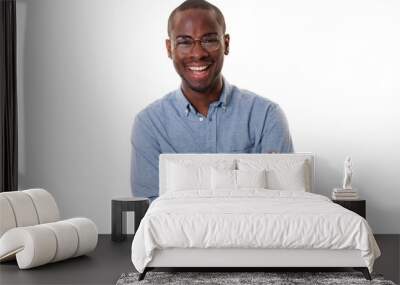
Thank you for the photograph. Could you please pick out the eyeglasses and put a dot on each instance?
(186, 44)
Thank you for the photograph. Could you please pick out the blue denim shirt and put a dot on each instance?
(239, 122)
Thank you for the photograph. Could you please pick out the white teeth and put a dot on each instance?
(198, 68)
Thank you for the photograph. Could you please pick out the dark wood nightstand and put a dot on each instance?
(119, 207)
(357, 206)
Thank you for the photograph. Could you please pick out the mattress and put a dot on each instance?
(250, 219)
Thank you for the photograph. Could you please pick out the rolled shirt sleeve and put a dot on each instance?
(276, 136)
(144, 160)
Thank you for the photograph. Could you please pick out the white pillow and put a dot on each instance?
(187, 175)
(251, 178)
(288, 178)
(282, 174)
(227, 179)
(223, 179)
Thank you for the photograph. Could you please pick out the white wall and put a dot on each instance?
(86, 67)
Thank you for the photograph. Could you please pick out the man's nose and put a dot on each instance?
(198, 50)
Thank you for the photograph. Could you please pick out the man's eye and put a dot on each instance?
(184, 43)
(210, 40)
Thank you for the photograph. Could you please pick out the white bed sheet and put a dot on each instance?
(250, 218)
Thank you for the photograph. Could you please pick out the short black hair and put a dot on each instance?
(197, 4)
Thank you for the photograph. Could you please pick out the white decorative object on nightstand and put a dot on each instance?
(348, 173)
(347, 192)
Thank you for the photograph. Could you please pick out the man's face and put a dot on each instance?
(199, 67)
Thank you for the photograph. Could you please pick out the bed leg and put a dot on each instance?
(364, 271)
(143, 274)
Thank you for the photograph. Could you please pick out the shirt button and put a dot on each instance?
(201, 119)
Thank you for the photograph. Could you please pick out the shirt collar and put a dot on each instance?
(184, 106)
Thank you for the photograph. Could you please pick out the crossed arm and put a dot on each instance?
(275, 138)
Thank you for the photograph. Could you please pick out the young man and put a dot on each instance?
(206, 114)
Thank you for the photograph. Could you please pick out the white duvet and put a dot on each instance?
(251, 218)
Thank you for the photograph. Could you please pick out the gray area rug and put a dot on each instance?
(269, 278)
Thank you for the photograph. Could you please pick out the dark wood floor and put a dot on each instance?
(110, 260)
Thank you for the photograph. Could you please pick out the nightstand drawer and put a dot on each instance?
(357, 206)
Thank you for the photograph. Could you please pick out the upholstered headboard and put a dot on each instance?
(209, 158)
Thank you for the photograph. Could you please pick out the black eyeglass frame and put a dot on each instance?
(202, 42)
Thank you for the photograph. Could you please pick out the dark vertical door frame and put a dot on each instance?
(8, 97)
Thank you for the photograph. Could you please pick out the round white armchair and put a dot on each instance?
(31, 230)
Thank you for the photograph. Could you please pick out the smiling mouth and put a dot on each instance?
(199, 71)
(198, 68)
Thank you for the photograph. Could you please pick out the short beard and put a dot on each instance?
(203, 90)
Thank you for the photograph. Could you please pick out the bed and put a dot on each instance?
(247, 210)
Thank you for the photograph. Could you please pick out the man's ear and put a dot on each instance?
(226, 44)
(168, 46)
